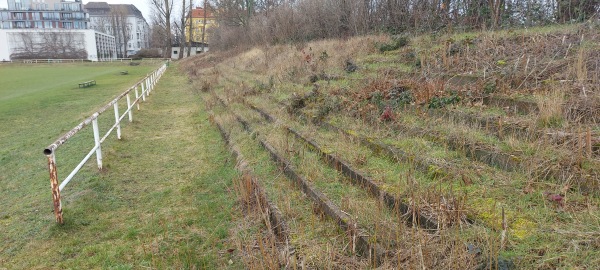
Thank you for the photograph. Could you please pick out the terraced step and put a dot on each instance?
(541, 162)
(409, 212)
(522, 225)
(501, 126)
(358, 241)
(430, 181)
(317, 242)
(511, 105)
(363, 208)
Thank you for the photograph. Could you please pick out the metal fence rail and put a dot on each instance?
(145, 85)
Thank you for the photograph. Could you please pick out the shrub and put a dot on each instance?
(147, 53)
(440, 102)
(396, 43)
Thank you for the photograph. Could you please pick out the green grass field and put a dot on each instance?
(152, 204)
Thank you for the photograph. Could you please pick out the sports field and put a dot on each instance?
(130, 215)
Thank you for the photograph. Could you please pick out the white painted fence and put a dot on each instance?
(142, 89)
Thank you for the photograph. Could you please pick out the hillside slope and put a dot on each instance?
(485, 147)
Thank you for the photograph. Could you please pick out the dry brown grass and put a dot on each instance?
(550, 106)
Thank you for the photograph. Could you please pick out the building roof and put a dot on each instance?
(194, 44)
(96, 5)
(101, 8)
(198, 12)
(128, 8)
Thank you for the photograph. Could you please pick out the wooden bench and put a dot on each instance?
(124, 72)
(86, 84)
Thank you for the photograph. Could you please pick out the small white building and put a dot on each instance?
(56, 44)
(196, 48)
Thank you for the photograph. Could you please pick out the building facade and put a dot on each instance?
(125, 22)
(48, 14)
(201, 22)
(17, 44)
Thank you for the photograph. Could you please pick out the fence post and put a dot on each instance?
(97, 139)
(148, 86)
(55, 189)
(137, 102)
(129, 108)
(143, 92)
(117, 122)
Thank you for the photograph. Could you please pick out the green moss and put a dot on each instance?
(522, 228)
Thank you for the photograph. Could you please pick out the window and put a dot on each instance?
(175, 52)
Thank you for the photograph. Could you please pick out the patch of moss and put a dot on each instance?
(522, 228)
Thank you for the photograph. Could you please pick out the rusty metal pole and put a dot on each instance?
(55, 189)
(117, 122)
(137, 95)
(97, 140)
(129, 108)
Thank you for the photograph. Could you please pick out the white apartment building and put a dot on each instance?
(51, 29)
(125, 22)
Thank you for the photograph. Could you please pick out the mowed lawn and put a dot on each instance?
(144, 208)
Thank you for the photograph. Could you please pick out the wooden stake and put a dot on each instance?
(588, 142)
(504, 228)
(500, 127)
(580, 148)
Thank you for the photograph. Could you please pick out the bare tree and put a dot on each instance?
(102, 24)
(190, 21)
(161, 17)
(121, 28)
(249, 22)
(181, 27)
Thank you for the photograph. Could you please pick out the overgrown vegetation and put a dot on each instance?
(483, 126)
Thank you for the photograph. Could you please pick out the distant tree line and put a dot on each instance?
(248, 22)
